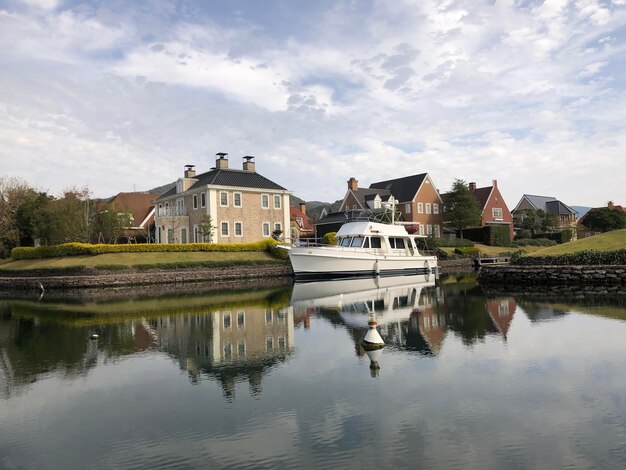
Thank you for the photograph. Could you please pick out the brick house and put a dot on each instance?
(494, 209)
(418, 201)
(139, 207)
(243, 205)
(583, 231)
(301, 226)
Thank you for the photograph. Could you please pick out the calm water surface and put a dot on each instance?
(276, 377)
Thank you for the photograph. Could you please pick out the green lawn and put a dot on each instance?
(139, 259)
(486, 250)
(610, 241)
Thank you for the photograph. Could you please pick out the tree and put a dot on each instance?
(33, 218)
(462, 209)
(111, 222)
(207, 228)
(605, 219)
(73, 217)
(13, 193)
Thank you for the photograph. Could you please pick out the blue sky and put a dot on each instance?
(120, 95)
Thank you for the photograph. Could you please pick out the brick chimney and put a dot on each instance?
(303, 208)
(221, 162)
(353, 184)
(248, 164)
(472, 186)
(190, 171)
(610, 205)
(495, 183)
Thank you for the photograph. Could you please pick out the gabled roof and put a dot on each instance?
(295, 213)
(482, 195)
(547, 204)
(403, 189)
(364, 194)
(139, 205)
(230, 177)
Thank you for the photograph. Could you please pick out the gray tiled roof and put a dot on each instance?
(549, 204)
(403, 189)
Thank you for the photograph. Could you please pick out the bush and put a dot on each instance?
(454, 242)
(87, 249)
(534, 242)
(589, 257)
(467, 252)
(516, 256)
(329, 238)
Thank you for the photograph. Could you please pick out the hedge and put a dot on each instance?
(453, 242)
(491, 235)
(589, 257)
(534, 242)
(87, 249)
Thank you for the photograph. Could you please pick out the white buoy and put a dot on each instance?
(374, 356)
(372, 339)
(94, 336)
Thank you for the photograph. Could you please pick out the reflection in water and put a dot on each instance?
(228, 338)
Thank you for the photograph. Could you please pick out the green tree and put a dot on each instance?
(13, 193)
(73, 217)
(207, 228)
(33, 218)
(605, 219)
(111, 222)
(462, 209)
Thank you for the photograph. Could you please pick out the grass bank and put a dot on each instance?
(609, 241)
(142, 260)
(486, 250)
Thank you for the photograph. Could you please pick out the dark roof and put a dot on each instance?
(548, 204)
(228, 177)
(364, 194)
(557, 207)
(403, 189)
(352, 215)
(482, 195)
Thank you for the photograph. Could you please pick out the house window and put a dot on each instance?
(224, 226)
(241, 349)
(228, 321)
(241, 320)
(420, 208)
(237, 199)
(276, 201)
(170, 235)
(179, 188)
(228, 352)
(265, 201)
(269, 317)
(435, 208)
(239, 229)
(195, 201)
(407, 208)
(269, 344)
(277, 227)
(421, 231)
(203, 200)
(497, 212)
(183, 235)
(196, 234)
(429, 229)
(428, 211)
(437, 231)
(223, 199)
(266, 229)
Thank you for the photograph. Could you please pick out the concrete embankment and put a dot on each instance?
(600, 275)
(97, 279)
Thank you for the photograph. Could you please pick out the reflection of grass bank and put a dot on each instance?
(123, 261)
(86, 314)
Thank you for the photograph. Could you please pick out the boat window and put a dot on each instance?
(399, 243)
(392, 242)
(375, 242)
(346, 241)
(366, 243)
(357, 242)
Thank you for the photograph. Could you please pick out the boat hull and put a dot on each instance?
(333, 263)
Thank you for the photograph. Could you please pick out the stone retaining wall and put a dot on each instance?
(455, 265)
(553, 275)
(145, 277)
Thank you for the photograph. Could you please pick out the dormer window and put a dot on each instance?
(377, 202)
(179, 187)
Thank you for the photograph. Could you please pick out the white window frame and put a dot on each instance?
(407, 208)
(269, 227)
(278, 226)
(428, 208)
(243, 324)
(222, 228)
(421, 229)
(203, 199)
(437, 231)
(420, 207)
(265, 197)
(493, 213)
(235, 194)
(429, 229)
(228, 315)
(196, 234)
(277, 199)
(221, 203)
(435, 208)
(240, 223)
(195, 201)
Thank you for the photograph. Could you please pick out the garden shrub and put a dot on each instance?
(329, 238)
(454, 242)
(467, 252)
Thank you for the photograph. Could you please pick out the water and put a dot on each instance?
(261, 377)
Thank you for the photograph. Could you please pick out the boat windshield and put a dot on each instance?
(357, 242)
(345, 241)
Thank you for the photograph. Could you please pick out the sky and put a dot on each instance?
(120, 95)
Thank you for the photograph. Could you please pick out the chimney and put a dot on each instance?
(190, 171)
(472, 186)
(353, 184)
(303, 208)
(221, 162)
(495, 183)
(610, 205)
(248, 164)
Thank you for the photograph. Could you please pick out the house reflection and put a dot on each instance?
(228, 345)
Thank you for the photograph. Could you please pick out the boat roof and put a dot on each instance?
(372, 228)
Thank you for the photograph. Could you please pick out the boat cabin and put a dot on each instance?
(377, 237)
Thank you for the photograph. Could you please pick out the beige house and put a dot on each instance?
(243, 206)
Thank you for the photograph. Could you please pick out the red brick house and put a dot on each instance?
(417, 199)
(301, 226)
(494, 209)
